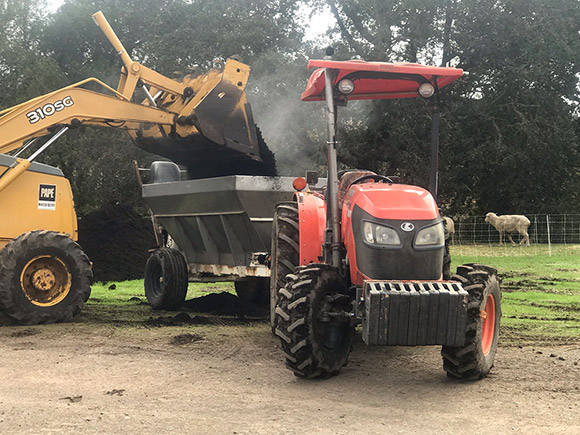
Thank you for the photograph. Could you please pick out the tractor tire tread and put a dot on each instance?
(468, 362)
(285, 252)
(15, 255)
(307, 359)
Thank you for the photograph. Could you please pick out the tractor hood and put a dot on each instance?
(393, 201)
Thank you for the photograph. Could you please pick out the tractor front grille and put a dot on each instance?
(402, 313)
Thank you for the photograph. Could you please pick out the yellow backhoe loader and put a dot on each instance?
(200, 121)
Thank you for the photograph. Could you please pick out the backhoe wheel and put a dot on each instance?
(475, 358)
(166, 279)
(285, 253)
(254, 290)
(45, 277)
(313, 321)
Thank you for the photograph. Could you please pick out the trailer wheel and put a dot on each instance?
(285, 252)
(45, 277)
(253, 290)
(166, 279)
(313, 321)
(475, 358)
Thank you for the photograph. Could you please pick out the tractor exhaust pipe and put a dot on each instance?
(434, 171)
(332, 214)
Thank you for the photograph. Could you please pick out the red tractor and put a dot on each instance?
(368, 251)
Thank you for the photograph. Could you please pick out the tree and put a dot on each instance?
(24, 72)
(186, 34)
(509, 137)
(515, 127)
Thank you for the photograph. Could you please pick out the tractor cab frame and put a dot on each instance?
(336, 82)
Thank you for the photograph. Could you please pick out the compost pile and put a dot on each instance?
(116, 239)
(205, 159)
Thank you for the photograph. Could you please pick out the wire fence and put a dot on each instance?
(546, 231)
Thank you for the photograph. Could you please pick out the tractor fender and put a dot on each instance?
(312, 223)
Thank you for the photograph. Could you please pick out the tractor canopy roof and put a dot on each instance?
(377, 80)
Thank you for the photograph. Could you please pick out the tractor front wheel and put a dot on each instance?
(45, 277)
(313, 321)
(475, 358)
(166, 279)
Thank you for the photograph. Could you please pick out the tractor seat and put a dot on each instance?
(346, 180)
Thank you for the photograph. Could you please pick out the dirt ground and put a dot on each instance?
(220, 375)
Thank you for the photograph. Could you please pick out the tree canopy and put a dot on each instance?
(509, 133)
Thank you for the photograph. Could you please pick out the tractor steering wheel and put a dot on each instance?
(375, 177)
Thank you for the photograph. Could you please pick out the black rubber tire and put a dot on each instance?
(166, 279)
(315, 345)
(446, 257)
(17, 264)
(285, 252)
(469, 362)
(254, 290)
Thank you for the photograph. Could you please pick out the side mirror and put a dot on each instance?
(312, 178)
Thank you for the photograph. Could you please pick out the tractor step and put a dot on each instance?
(413, 313)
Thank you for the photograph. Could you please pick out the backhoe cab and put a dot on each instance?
(372, 252)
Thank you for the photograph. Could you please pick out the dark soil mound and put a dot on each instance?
(225, 304)
(178, 320)
(182, 339)
(206, 159)
(116, 239)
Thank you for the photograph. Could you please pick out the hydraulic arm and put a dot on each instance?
(196, 118)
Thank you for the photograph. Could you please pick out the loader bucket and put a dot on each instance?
(214, 132)
(222, 146)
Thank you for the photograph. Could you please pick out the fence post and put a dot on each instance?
(564, 228)
(549, 241)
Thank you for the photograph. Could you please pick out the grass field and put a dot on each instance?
(541, 289)
(541, 292)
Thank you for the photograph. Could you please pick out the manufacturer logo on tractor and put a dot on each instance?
(49, 109)
(407, 226)
(47, 197)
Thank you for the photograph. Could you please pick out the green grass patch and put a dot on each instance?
(541, 293)
(125, 292)
(124, 303)
(541, 289)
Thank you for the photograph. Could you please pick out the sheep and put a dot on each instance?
(450, 227)
(513, 223)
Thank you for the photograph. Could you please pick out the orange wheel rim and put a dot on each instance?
(488, 329)
(45, 281)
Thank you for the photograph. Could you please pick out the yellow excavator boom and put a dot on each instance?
(196, 119)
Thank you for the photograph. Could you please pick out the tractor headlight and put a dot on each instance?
(426, 90)
(346, 86)
(431, 237)
(375, 234)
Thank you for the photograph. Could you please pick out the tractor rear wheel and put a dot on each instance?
(166, 279)
(45, 277)
(475, 358)
(285, 252)
(446, 259)
(313, 321)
